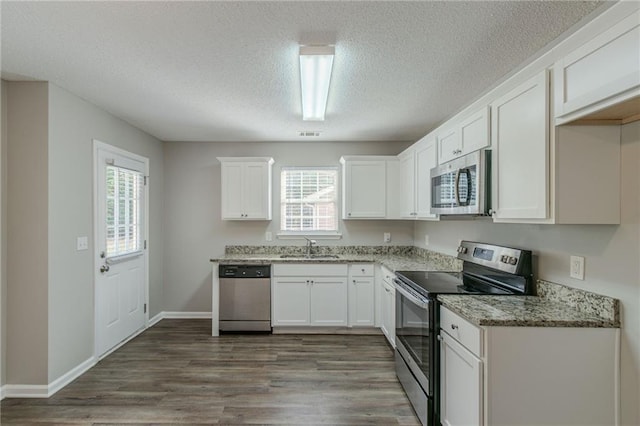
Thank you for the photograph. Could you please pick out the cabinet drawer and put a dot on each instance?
(387, 275)
(462, 330)
(361, 270)
(309, 269)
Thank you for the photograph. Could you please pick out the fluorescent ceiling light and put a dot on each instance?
(315, 74)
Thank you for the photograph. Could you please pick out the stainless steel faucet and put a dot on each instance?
(310, 244)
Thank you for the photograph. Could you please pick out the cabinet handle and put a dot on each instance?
(454, 327)
(362, 271)
(348, 214)
(387, 290)
(439, 338)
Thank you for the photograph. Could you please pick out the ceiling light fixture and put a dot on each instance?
(315, 74)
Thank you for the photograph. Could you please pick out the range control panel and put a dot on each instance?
(507, 259)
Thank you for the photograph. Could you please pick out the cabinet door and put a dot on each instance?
(290, 301)
(255, 191)
(603, 72)
(365, 189)
(474, 132)
(231, 191)
(426, 159)
(461, 396)
(328, 301)
(448, 145)
(520, 142)
(361, 301)
(407, 182)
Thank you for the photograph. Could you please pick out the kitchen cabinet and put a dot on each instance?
(548, 177)
(520, 151)
(600, 80)
(361, 295)
(461, 378)
(309, 295)
(415, 166)
(504, 375)
(246, 188)
(364, 187)
(388, 306)
(465, 136)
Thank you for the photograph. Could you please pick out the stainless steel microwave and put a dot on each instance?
(463, 185)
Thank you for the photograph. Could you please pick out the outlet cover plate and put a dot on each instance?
(576, 265)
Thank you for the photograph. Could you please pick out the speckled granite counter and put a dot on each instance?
(534, 311)
(394, 258)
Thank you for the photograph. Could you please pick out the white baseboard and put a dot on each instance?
(186, 315)
(156, 319)
(26, 391)
(45, 391)
(70, 376)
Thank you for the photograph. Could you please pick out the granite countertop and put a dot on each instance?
(522, 311)
(392, 262)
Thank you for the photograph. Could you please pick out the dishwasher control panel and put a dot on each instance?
(245, 271)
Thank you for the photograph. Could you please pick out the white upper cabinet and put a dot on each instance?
(407, 184)
(601, 79)
(426, 158)
(364, 186)
(520, 155)
(416, 163)
(246, 188)
(467, 135)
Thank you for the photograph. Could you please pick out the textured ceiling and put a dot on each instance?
(228, 71)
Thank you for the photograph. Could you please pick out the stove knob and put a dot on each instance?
(462, 250)
(513, 260)
(504, 259)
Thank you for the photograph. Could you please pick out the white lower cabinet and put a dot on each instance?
(388, 306)
(309, 294)
(527, 375)
(361, 296)
(461, 378)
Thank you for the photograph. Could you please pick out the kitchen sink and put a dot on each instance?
(313, 256)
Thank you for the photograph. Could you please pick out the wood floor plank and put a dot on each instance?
(176, 373)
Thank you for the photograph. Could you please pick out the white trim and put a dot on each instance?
(186, 315)
(26, 391)
(301, 235)
(70, 376)
(156, 319)
(2, 392)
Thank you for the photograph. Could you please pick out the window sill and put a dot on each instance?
(314, 235)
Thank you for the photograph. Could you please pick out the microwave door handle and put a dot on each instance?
(469, 187)
(455, 187)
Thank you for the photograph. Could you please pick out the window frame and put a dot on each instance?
(318, 234)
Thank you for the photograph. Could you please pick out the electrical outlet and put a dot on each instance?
(82, 243)
(387, 237)
(268, 236)
(576, 267)
(426, 239)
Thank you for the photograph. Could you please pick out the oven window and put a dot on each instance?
(412, 330)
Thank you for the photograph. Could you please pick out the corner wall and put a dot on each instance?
(3, 235)
(194, 231)
(612, 258)
(27, 239)
(74, 123)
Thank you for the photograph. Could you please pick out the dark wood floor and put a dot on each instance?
(176, 373)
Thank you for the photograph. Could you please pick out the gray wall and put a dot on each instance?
(193, 229)
(612, 258)
(27, 219)
(73, 123)
(50, 298)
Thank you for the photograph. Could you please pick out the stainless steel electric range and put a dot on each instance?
(487, 269)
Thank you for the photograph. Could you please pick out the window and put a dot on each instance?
(308, 199)
(124, 202)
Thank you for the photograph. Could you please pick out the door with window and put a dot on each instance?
(120, 275)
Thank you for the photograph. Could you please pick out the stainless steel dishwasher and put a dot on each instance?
(245, 297)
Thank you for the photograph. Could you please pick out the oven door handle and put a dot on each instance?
(423, 303)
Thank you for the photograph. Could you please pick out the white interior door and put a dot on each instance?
(121, 264)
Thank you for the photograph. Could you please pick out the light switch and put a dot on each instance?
(82, 243)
